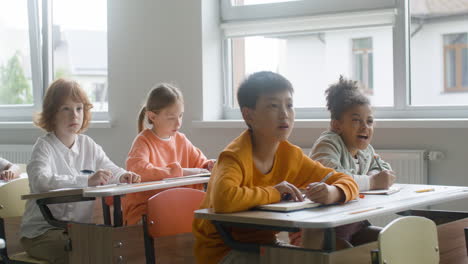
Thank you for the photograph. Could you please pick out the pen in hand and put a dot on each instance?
(376, 158)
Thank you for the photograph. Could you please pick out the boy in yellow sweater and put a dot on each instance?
(262, 167)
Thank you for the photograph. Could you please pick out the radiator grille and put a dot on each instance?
(16, 153)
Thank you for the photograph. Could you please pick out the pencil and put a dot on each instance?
(425, 190)
(366, 210)
(377, 161)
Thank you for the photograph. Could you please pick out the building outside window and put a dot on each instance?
(41, 41)
(456, 62)
(363, 64)
(410, 56)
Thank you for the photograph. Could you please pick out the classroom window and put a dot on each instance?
(15, 60)
(363, 63)
(456, 62)
(394, 49)
(49, 40)
(439, 54)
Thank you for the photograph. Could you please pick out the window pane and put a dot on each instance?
(15, 59)
(257, 2)
(362, 50)
(450, 69)
(314, 61)
(80, 46)
(438, 36)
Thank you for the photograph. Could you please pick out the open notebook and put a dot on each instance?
(287, 206)
(391, 190)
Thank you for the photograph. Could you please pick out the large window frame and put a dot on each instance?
(41, 50)
(236, 18)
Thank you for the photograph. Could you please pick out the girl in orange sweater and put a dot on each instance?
(161, 151)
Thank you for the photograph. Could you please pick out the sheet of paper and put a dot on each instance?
(391, 190)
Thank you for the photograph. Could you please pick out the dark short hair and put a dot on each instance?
(260, 83)
(342, 96)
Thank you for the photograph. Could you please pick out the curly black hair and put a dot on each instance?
(343, 95)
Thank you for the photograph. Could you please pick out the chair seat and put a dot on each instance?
(23, 256)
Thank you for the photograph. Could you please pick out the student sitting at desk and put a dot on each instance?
(56, 162)
(260, 167)
(346, 148)
(161, 151)
(8, 170)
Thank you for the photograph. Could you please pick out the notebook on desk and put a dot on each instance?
(287, 206)
(208, 174)
(391, 190)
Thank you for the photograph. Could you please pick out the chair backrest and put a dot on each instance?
(11, 204)
(171, 212)
(410, 239)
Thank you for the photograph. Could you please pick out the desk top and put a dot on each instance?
(354, 211)
(118, 189)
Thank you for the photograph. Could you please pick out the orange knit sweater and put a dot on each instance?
(236, 185)
(155, 159)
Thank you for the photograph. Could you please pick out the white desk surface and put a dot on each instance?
(119, 189)
(354, 211)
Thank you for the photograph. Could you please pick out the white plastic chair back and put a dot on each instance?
(410, 239)
(11, 204)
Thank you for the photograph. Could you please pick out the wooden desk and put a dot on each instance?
(328, 217)
(90, 193)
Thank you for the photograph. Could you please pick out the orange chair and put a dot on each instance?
(169, 213)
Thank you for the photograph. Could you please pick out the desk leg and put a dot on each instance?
(117, 211)
(106, 212)
(329, 242)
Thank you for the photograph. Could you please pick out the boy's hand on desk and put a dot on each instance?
(130, 177)
(7, 175)
(323, 193)
(101, 177)
(289, 191)
(192, 171)
(382, 180)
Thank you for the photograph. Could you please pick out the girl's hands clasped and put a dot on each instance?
(130, 177)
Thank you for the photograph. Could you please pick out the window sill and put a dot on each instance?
(30, 125)
(324, 123)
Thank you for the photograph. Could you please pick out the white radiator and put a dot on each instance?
(16, 153)
(410, 166)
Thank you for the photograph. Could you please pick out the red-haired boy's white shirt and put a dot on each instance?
(55, 166)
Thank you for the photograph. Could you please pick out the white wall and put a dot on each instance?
(152, 41)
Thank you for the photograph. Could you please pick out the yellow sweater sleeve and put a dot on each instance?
(232, 189)
(314, 172)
